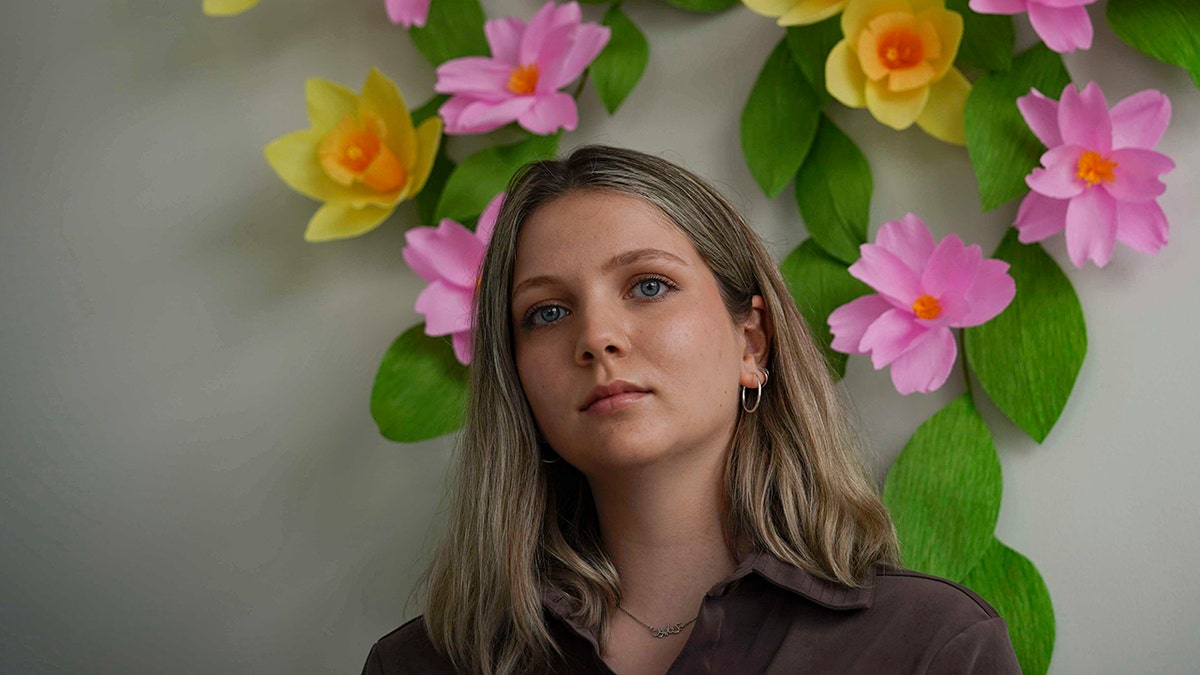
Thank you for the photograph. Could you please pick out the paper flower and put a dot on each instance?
(408, 13)
(1062, 24)
(361, 157)
(520, 82)
(897, 61)
(923, 290)
(796, 12)
(448, 257)
(1100, 175)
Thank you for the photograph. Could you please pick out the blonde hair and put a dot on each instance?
(519, 527)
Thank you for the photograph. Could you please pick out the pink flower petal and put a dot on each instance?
(1091, 227)
(589, 41)
(483, 116)
(1142, 227)
(476, 77)
(888, 275)
(909, 240)
(954, 308)
(997, 6)
(849, 322)
(1135, 177)
(462, 347)
(951, 268)
(992, 291)
(1063, 29)
(1140, 120)
(1059, 179)
(504, 37)
(418, 262)
(549, 113)
(1062, 3)
(408, 13)
(926, 366)
(1083, 118)
(1039, 217)
(452, 251)
(452, 110)
(548, 35)
(487, 219)
(1041, 114)
(447, 309)
(889, 336)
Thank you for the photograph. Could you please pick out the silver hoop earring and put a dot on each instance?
(762, 379)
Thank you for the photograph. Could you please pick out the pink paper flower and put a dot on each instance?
(448, 257)
(925, 288)
(1100, 175)
(1062, 24)
(521, 80)
(408, 13)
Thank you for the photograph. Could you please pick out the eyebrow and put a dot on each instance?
(633, 257)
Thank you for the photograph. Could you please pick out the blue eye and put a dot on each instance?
(649, 287)
(545, 315)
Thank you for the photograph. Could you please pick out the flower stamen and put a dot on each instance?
(927, 307)
(1095, 168)
(901, 48)
(524, 79)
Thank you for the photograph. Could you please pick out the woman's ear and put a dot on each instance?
(757, 332)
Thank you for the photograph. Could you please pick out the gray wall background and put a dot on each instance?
(190, 480)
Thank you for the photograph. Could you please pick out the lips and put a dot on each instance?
(612, 396)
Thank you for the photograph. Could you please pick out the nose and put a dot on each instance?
(601, 334)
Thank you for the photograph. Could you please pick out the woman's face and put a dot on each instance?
(624, 347)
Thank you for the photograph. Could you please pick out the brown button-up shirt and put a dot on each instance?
(771, 617)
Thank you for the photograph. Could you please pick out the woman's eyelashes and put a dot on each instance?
(543, 315)
(646, 287)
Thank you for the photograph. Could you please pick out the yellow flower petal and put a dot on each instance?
(919, 6)
(294, 157)
(328, 103)
(342, 221)
(949, 27)
(943, 117)
(858, 14)
(906, 79)
(381, 97)
(429, 135)
(896, 109)
(844, 78)
(807, 12)
(770, 8)
(226, 7)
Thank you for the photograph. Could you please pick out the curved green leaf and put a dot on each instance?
(944, 492)
(810, 46)
(618, 68)
(987, 40)
(778, 122)
(819, 284)
(453, 29)
(833, 191)
(1027, 358)
(420, 389)
(1168, 30)
(1002, 148)
(1011, 584)
(427, 198)
(483, 175)
(704, 6)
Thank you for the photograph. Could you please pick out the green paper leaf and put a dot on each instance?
(810, 46)
(778, 122)
(819, 284)
(1011, 584)
(1168, 30)
(703, 6)
(833, 190)
(944, 492)
(420, 389)
(453, 30)
(1027, 358)
(1002, 148)
(483, 175)
(987, 40)
(618, 68)
(428, 198)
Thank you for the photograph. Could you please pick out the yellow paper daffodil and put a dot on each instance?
(897, 61)
(226, 7)
(796, 12)
(361, 157)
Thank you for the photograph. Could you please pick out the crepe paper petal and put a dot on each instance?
(487, 219)
(420, 390)
(1139, 121)
(896, 109)
(1142, 226)
(449, 252)
(943, 492)
(1028, 357)
(844, 78)
(504, 38)
(909, 240)
(453, 29)
(796, 12)
(1060, 177)
(943, 117)
(590, 40)
(447, 309)
(1091, 227)
(1083, 118)
(1001, 147)
(992, 291)
(1063, 29)
(988, 39)
(882, 270)
(617, 69)
(952, 267)
(926, 365)
(833, 192)
(1041, 114)
(779, 121)
(474, 77)
(1040, 216)
(703, 6)
(481, 116)
(336, 220)
(408, 13)
(1164, 29)
(1014, 587)
(849, 323)
(328, 103)
(550, 113)
(226, 7)
(481, 176)
(857, 15)
(810, 46)
(1135, 176)
(889, 336)
(998, 6)
(819, 284)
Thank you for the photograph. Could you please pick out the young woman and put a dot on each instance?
(657, 473)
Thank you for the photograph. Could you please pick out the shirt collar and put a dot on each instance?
(784, 575)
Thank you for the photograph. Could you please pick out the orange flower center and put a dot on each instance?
(901, 48)
(354, 152)
(523, 79)
(927, 307)
(1095, 168)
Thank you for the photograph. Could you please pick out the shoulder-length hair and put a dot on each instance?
(520, 528)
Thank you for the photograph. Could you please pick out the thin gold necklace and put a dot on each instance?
(671, 629)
